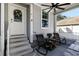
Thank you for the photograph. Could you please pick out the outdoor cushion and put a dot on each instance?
(71, 53)
(72, 50)
(74, 47)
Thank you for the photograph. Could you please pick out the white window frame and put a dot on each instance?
(48, 21)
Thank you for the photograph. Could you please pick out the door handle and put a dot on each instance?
(11, 20)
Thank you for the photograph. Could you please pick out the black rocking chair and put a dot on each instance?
(58, 39)
(42, 42)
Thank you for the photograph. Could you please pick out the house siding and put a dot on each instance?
(37, 21)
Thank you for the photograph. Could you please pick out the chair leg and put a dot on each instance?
(38, 50)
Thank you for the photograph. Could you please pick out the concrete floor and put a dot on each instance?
(62, 50)
(58, 51)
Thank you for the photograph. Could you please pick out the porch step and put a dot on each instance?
(19, 46)
(20, 51)
(17, 40)
(13, 50)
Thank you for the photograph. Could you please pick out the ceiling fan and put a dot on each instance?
(55, 6)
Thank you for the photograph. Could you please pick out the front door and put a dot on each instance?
(17, 19)
(16, 29)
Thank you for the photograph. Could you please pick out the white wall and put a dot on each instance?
(73, 32)
(37, 21)
(76, 31)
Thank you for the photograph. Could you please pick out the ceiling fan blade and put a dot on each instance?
(49, 10)
(64, 4)
(46, 8)
(46, 5)
(56, 4)
(60, 8)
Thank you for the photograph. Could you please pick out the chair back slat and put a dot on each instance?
(40, 39)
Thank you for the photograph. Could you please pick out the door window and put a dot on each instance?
(17, 15)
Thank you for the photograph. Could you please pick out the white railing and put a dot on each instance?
(74, 35)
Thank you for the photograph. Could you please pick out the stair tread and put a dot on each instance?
(17, 40)
(18, 37)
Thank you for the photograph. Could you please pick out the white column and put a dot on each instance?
(31, 23)
(54, 20)
(2, 28)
